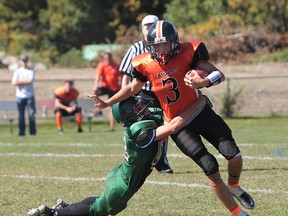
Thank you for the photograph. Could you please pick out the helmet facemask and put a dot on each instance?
(163, 57)
(131, 110)
(163, 34)
(141, 108)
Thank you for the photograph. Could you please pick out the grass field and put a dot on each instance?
(40, 169)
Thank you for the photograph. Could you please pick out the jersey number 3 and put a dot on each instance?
(174, 88)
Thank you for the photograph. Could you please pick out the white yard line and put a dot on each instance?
(118, 144)
(62, 144)
(161, 183)
(47, 155)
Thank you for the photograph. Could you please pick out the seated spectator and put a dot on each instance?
(66, 105)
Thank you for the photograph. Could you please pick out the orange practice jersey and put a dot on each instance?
(65, 98)
(110, 75)
(168, 80)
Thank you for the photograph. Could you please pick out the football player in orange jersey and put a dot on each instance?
(107, 81)
(165, 67)
(64, 97)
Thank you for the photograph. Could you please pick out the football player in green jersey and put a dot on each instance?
(142, 140)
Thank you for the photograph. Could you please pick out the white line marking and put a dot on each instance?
(161, 183)
(53, 178)
(63, 144)
(119, 144)
(17, 154)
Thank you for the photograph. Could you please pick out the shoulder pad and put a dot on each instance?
(141, 59)
(135, 128)
(59, 90)
(195, 44)
(142, 133)
(145, 138)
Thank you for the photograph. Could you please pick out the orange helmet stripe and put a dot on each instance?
(159, 33)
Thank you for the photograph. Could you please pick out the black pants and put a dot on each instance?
(212, 127)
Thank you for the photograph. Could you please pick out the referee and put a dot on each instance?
(127, 69)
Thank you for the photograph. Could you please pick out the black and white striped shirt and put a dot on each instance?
(126, 66)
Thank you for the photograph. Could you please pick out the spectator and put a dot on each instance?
(107, 80)
(127, 70)
(23, 79)
(66, 105)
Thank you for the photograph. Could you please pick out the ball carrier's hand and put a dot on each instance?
(98, 102)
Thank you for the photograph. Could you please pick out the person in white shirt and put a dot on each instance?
(23, 79)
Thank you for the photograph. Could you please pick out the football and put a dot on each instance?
(201, 73)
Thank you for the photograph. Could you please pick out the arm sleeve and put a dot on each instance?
(32, 77)
(14, 78)
(99, 69)
(56, 96)
(201, 54)
(140, 76)
(56, 93)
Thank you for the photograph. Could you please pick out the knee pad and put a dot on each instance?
(228, 149)
(207, 162)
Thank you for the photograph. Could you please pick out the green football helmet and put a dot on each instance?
(131, 110)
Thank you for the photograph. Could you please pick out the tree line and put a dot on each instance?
(52, 28)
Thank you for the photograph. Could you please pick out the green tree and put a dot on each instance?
(270, 13)
(127, 16)
(214, 15)
(196, 11)
(52, 28)
(19, 24)
(61, 22)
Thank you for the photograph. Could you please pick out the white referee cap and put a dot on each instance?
(149, 19)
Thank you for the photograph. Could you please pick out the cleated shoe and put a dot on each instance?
(243, 197)
(242, 213)
(60, 204)
(169, 171)
(42, 210)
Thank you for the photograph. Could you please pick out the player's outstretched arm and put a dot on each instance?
(98, 101)
(124, 93)
(180, 121)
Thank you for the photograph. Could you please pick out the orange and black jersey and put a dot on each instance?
(64, 97)
(168, 80)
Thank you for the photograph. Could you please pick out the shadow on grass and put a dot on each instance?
(243, 170)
